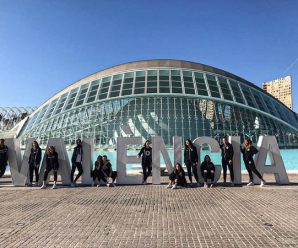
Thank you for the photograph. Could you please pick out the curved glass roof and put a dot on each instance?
(163, 81)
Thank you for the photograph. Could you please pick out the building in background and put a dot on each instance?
(160, 98)
(281, 89)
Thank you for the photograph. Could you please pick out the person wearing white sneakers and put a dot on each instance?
(227, 153)
(51, 164)
(248, 152)
(177, 177)
(107, 171)
(146, 153)
(191, 160)
(208, 171)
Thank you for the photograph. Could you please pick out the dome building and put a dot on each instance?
(161, 98)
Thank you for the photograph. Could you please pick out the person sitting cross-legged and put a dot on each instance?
(208, 171)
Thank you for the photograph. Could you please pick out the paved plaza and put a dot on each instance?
(149, 216)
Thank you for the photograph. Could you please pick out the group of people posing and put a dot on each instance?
(103, 169)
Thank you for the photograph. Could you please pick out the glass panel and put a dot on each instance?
(236, 91)
(248, 96)
(225, 89)
(213, 86)
(61, 103)
(50, 110)
(82, 95)
(93, 91)
(201, 86)
(71, 98)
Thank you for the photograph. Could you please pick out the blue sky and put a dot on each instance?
(47, 45)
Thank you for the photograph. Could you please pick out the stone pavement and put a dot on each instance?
(149, 216)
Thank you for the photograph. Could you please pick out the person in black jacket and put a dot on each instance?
(191, 160)
(177, 177)
(227, 154)
(107, 171)
(34, 162)
(146, 153)
(3, 157)
(248, 152)
(51, 164)
(76, 160)
(96, 173)
(208, 171)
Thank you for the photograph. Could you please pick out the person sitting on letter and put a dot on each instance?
(51, 164)
(208, 171)
(107, 172)
(96, 173)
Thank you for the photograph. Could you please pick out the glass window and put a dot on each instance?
(82, 94)
(50, 109)
(225, 89)
(236, 91)
(61, 103)
(164, 83)
(200, 82)
(248, 96)
(152, 81)
(213, 86)
(128, 83)
(188, 82)
(71, 98)
(93, 91)
(104, 88)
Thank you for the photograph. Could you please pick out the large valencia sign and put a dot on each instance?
(19, 166)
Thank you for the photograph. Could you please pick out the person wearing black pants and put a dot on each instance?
(248, 152)
(107, 171)
(96, 173)
(76, 160)
(3, 157)
(208, 171)
(191, 160)
(146, 153)
(177, 177)
(34, 161)
(51, 164)
(227, 154)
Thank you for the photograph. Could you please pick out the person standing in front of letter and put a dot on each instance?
(248, 152)
(146, 153)
(76, 161)
(34, 161)
(191, 160)
(51, 164)
(3, 157)
(227, 154)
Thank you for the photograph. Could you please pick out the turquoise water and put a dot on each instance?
(290, 158)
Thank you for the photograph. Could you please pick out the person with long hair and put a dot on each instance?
(96, 173)
(34, 162)
(177, 177)
(107, 172)
(227, 153)
(3, 157)
(248, 152)
(76, 160)
(146, 153)
(208, 171)
(191, 160)
(51, 164)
